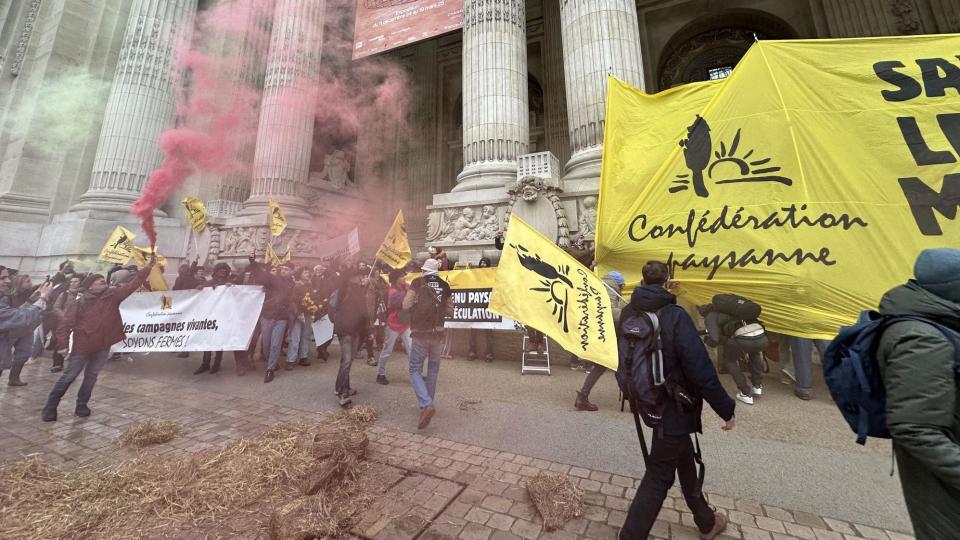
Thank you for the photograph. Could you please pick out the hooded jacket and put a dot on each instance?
(96, 324)
(13, 321)
(685, 360)
(923, 407)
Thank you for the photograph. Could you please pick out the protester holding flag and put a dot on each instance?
(394, 329)
(95, 324)
(614, 282)
(273, 316)
(426, 302)
(220, 277)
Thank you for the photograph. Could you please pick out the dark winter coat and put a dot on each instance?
(923, 408)
(350, 312)
(96, 322)
(276, 302)
(685, 360)
(13, 322)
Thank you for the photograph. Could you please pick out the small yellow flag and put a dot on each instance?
(395, 249)
(542, 286)
(286, 258)
(270, 256)
(196, 214)
(155, 280)
(118, 248)
(276, 220)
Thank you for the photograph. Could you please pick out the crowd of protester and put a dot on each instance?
(76, 317)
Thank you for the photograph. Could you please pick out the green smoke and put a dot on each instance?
(61, 115)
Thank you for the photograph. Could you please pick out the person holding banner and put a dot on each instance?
(94, 325)
(394, 329)
(220, 276)
(273, 316)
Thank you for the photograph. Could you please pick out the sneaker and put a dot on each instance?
(719, 525)
(304, 362)
(787, 375)
(382, 379)
(803, 394)
(744, 398)
(82, 411)
(289, 366)
(268, 376)
(371, 361)
(425, 416)
(574, 367)
(49, 416)
(758, 390)
(345, 401)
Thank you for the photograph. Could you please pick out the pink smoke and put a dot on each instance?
(218, 114)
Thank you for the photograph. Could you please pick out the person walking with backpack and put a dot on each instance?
(688, 378)
(426, 303)
(614, 282)
(733, 324)
(95, 323)
(919, 363)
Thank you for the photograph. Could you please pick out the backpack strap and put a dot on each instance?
(636, 420)
(698, 457)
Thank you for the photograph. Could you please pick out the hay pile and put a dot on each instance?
(192, 495)
(556, 498)
(150, 433)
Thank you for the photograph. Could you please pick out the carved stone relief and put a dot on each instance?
(466, 224)
(525, 198)
(904, 11)
(588, 216)
(21, 50)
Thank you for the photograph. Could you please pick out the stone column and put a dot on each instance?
(496, 117)
(140, 106)
(281, 164)
(598, 38)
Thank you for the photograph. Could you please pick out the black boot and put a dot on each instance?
(57, 363)
(216, 364)
(204, 366)
(82, 410)
(49, 415)
(14, 379)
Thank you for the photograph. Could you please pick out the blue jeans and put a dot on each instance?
(802, 355)
(346, 361)
(389, 340)
(298, 341)
(425, 349)
(90, 364)
(271, 335)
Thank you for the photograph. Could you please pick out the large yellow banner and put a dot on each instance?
(540, 285)
(808, 180)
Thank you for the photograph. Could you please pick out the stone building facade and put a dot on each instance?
(507, 116)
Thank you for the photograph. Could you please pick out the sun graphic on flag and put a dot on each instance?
(726, 167)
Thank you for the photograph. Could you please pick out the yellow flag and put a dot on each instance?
(275, 218)
(270, 256)
(395, 248)
(808, 181)
(286, 258)
(196, 214)
(155, 280)
(540, 285)
(119, 247)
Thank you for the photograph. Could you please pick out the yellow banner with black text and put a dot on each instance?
(808, 181)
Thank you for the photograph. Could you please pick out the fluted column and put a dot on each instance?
(599, 37)
(281, 163)
(140, 106)
(246, 50)
(496, 121)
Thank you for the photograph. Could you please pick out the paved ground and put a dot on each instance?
(784, 454)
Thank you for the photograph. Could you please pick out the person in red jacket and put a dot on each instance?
(94, 320)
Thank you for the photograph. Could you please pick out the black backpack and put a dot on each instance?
(426, 315)
(640, 370)
(737, 307)
(745, 329)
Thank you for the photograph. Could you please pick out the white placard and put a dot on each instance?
(322, 330)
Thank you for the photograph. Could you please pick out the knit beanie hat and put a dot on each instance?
(617, 277)
(938, 271)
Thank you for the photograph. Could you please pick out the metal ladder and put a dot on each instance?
(533, 362)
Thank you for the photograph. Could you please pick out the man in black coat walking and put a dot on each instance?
(685, 362)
